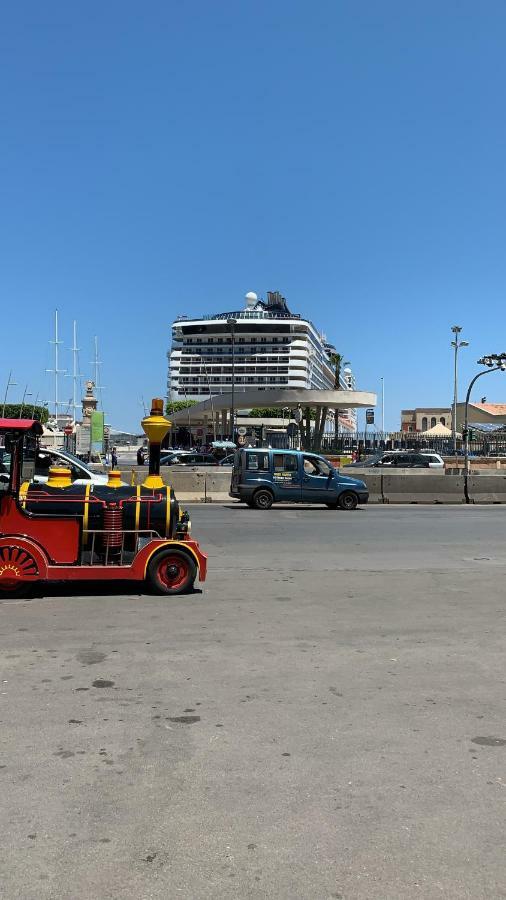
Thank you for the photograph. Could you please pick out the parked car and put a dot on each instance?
(261, 477)
(405, 459)
(190, 459)
(79, 471)
(366, 463)
(166, 458)
(436, 461)
(227, 461)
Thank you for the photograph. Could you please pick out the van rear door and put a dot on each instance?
(236, 470)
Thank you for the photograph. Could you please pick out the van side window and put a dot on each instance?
(285, 462)
(257, 462)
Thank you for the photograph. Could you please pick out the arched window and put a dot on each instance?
(424, 423)
(442, 420)
(433, 422)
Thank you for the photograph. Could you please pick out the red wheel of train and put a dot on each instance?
(172, 572)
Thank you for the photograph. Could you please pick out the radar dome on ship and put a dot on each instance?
(251, 298)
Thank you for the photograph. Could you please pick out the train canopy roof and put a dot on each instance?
(31, 426)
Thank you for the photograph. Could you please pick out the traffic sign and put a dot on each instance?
(242, 430)
(369, 417)
(68, 430)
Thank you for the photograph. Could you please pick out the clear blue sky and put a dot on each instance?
(167, 157)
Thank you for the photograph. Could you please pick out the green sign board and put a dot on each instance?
(97, 431)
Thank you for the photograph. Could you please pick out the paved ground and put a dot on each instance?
(325, 720)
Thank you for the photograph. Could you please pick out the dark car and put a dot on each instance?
(366, 463)
(227, 460)
(396, 459)
(404, 461)
(189, 459)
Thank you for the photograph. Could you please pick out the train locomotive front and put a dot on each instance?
(63, 531)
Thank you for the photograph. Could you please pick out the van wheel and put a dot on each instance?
(262, 499)
(172, 572)
(348, 500)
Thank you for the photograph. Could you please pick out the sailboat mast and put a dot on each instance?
(75, 351)
(96, 367)
(56, 371)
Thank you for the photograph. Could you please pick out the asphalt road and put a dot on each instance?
(326, 719)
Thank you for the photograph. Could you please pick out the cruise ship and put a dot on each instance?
(273, 348)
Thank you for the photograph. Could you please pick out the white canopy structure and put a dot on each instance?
(439, 430)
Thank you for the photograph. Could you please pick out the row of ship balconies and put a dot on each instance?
(247, 347)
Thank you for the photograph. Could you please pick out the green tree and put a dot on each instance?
(266, 412)
(12, 411)
(174, 406)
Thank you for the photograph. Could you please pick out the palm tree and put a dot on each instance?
(337, 361)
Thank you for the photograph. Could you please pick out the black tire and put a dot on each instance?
(262, 499)
(171, 572)
(348, 501)
(333, 505)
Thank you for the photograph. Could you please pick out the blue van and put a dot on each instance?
(262, 476)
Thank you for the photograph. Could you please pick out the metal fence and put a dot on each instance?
(370, 442)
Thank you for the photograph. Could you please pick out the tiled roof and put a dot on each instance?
(495, 409)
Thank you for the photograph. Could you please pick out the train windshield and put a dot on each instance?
(5, 468)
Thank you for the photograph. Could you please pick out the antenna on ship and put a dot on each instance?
(56, 371)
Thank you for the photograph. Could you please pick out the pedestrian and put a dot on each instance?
(140, 456)
(114, 458)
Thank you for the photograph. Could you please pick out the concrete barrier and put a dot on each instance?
(399, 487)
(487, 488)
(189, 485)
(217, 485)
(374, 482)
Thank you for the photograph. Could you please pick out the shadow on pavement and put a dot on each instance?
(98, 589)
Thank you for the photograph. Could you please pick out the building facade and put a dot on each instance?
(424, 418)
(265, 347)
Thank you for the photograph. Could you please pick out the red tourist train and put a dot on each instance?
(59, 531)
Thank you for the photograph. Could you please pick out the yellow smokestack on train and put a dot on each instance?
(155, 427)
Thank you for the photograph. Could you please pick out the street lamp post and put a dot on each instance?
(210, 396)
(35, 404)
(231, 324)
(456, 344)
(26, 393)
(383, 406)
(10, 383)
(496, 362)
